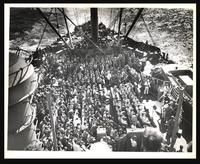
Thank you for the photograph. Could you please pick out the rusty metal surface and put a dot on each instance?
(23, 90)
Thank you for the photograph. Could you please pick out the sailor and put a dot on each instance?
(180, 144)
(146, 87)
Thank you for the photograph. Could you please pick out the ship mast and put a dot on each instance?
(94, 22)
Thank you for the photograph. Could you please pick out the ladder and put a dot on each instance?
(175, 92)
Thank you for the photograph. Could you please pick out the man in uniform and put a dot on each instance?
(146, 87)
(170, 126)
(180, 142)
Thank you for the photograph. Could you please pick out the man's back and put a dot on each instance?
(179, 143)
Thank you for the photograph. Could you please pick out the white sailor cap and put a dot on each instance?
(180, 131)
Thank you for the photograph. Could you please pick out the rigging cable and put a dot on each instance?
(68, 31)
(114, 20)
(42, 14)
(120, 19)
(44, 31)
(125, 23)
(134, 21)
(84, 34)
(148, 30)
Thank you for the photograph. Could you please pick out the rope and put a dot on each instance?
(21, 77)
(134, 21)
(120, 20)
(125, 23)
(43, 31)
(68, 31)
(83, 33)
(42, 14)
(114, 20)
(22, 67)
(148, 30)
(20, 49)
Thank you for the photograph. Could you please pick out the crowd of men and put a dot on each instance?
(108, 92)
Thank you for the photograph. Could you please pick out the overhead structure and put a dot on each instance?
(112, 23)
(148, 30)
(120, 19)
(67, 27)
(94, 21)
(43, 31)
(134, 21)
(54, 29)
(56, 19)
(84, 35)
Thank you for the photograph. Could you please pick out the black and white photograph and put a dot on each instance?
(100, 81)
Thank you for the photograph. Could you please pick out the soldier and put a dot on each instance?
(146, 87)
(170, 126)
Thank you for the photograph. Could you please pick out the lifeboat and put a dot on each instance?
(23, 90)
(19, 115)
(20, 139)
(23, 81)
(20, 69)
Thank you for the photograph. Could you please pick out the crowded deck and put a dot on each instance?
(111, 92)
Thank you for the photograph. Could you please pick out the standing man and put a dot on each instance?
(146, 87)
(170, 127)
(180, 144)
